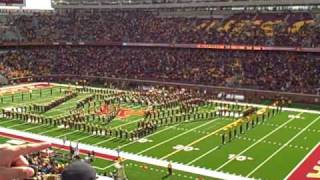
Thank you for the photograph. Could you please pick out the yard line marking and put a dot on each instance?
(131, 122)
(112, 154)
(203, 155)
(283, 146)
(54, 129)
(192, 143)
(72, 132)
(170, 139)
(65, 106)
(17, 125)
(96, 167)
(110, 139)
(26, 95)
(260, 140)
(107, 140)
(157, 132)
(34, 127)
(27, 98)
(109, 166)
(104, 141)
(85, 137)
(9, 120)
(302, 161)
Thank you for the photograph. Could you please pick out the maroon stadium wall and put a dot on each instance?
(166, 45)
(12, 1)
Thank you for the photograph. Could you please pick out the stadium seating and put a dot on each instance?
(260, 70)
(275, 29)
(281, 71)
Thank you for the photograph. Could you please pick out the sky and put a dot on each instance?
(34, 4)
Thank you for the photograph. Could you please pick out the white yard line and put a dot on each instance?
(126, 155)
(130, 122)
(26, 95)
(283, 146)
(179, 135)
(302, 161)
(85, 137)
(110, 139)
(157, 132)
(104, 141)
(17, 125)
(257, 142)
(96, 167)
(27, 100)
(60, 109)
(203, 155)
(54, 129)
(34, 127)
(9, 120)
(67, 134)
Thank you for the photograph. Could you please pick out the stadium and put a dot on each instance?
(160, 89)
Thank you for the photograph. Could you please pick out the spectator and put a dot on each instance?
(275, 29)
(280, 71)
(13, 165)
(79, 170)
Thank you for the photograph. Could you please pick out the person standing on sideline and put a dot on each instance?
(170, 169)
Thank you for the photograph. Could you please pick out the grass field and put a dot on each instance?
(268, 151)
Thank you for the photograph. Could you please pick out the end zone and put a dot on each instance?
(308, 168)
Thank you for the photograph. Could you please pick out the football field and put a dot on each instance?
(271, 150)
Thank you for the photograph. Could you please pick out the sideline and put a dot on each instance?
(112, 154)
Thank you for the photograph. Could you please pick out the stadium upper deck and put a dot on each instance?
(176, 3)
(299, 29)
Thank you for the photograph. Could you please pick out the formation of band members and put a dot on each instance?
(52, 104)
(178, 107)
(250, 119)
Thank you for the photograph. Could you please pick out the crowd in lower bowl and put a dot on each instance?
(279, 71)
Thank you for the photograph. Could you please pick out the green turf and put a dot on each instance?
(255, 146)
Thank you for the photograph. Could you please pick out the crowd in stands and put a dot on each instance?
(44, 163)
(51, 164)
(281, 71)
(256, 28)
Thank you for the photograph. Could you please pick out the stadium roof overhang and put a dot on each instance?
(176, 4)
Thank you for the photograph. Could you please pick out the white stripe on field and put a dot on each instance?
(179, 135)
(85, 137)
(54, 129)
(260, 140)
(9, 120)
(121, 125)
(203, 155)
(67, 134)
(37, 126)
(283, 146)
(302, 161)
(17, 125)
(152, 134)
(130, 156)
